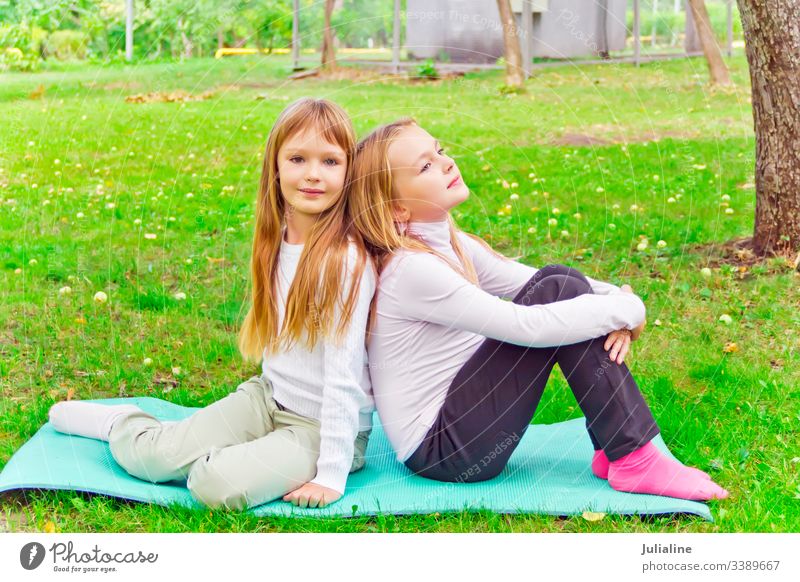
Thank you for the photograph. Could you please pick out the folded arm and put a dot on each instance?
(434, 292)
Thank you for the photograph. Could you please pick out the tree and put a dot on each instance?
(772, 45)
(513, 54)
(273, 20)
(185, 39)
(716, 66)
(328, 50)
(359, 21)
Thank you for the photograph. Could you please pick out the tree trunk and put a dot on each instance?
(129, 21)
(220, 39)
(187, 46)
(602, 32)
(513, 53)
(716, 66)
(772, 44)
(328, 51)
(187, 43)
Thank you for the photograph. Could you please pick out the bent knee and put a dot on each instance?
(142, 458)
(214, 490)
(555, 269)
(563, 286)
(559, 269)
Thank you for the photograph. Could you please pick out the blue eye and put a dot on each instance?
(332, 160)
(293, 158)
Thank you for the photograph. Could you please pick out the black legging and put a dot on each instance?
(493, 397)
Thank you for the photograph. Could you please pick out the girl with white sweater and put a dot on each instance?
(300, 427)
(457, 371)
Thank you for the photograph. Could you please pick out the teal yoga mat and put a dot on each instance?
(549, 473)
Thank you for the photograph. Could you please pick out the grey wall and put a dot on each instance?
(470, 30)
(574, 28)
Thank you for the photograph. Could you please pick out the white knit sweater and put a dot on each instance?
(329, 383)
(430, 320)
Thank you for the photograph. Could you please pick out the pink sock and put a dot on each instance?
(600, 466)
(648, 470)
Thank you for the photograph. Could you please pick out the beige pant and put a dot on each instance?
(238, 452)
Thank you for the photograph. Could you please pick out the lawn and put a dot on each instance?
(632, 175)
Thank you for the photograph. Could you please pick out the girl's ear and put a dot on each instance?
(400, 212)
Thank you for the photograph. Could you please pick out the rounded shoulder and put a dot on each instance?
(470, 244)
(404, 262)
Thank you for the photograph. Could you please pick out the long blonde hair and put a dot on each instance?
(316, 290)
(371, 200)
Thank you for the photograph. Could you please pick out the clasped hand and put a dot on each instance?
(618, 342)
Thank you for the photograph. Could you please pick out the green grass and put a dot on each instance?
(660, 133)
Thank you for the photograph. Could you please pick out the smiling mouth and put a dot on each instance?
(454, 182)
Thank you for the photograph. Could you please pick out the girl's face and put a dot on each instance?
(426, 181)
(311, 171)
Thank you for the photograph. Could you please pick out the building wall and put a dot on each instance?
(574, 28)
(470, 30)
(467, 30)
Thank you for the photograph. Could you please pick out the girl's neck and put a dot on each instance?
(435, 234)
(298, 227)
(430, 220)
